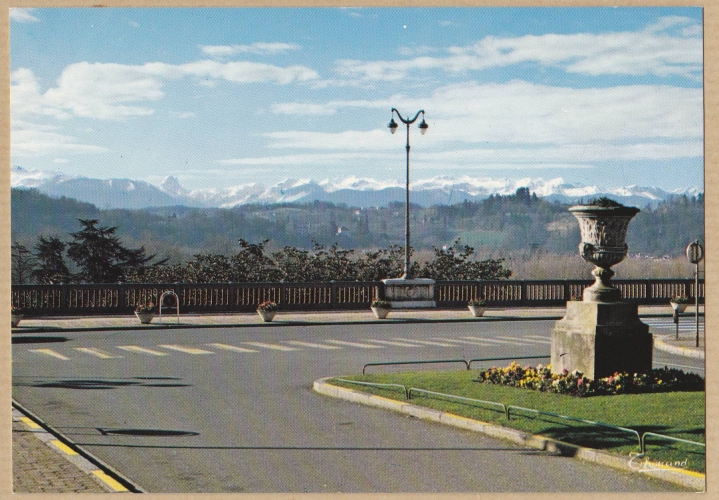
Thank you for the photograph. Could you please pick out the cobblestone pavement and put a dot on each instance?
(40, 467)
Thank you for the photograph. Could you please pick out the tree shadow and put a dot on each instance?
(36, 339)
(94, 384)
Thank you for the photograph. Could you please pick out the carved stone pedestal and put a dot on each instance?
(599, 339)
(409, 293)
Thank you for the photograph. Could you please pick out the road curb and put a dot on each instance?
(687, 479)
(111, 480)
(689, 352)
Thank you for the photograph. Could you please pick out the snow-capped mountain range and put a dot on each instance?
(354, 191)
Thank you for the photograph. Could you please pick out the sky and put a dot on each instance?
(219, 97)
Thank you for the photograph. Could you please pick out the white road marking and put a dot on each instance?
(272, 346)
(474, 342)
(526, 340)
(427, 342)
(188, 350)
(310, 344)
(96, 352)
(355, 344)
(141, 350)
(388, 342)
(231, 348)
(494, 341)
(50, 352)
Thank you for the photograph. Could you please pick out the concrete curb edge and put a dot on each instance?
(695, 481)
(689, 352)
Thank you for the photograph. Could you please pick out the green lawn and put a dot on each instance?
(675, 414)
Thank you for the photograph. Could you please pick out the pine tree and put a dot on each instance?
(52, 268)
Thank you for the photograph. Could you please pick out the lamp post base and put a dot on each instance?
(413, 293)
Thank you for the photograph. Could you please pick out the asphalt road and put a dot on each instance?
(232, 410)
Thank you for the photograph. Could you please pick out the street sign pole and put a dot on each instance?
(695, 253)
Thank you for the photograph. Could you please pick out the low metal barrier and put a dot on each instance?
(670, 438)
(377, 384)
(505, 408)
(575, 419)
(467, 363)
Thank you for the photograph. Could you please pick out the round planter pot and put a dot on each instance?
(380, 312)
(680, 308)
(266, 315)
(477, 311)
(15, 319)
(145, 318)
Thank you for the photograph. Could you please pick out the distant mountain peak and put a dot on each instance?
(353, 191)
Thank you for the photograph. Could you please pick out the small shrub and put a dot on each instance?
(382, 304)
(145, 308)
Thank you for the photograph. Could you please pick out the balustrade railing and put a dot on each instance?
(121, 298)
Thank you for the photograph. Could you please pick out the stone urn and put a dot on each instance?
(381, 308)
(266, 315)
(603, 225)
(15, 318)
(477, 308)
(144, 317)
(679, 307)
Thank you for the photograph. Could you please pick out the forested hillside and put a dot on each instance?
(498, 224)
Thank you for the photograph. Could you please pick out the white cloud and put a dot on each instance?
(22, 15)
(35, 143)
(61, 160)
(109, 91)
(255, 48)
(297, 108)
(305, 159)
(652, 51)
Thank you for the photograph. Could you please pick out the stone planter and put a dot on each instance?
(380, 312)
(15, 319)
(477, 311)
(678, 307)
(604, 231)
(145, 317)
(266, 316)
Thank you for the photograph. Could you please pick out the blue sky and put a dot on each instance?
(222, 97)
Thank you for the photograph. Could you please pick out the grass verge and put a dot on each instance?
(676, 414)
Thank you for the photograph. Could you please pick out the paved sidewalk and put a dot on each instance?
(39, 467)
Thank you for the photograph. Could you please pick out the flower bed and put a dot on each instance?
(575, 383)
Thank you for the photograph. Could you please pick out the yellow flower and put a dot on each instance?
(659, 382)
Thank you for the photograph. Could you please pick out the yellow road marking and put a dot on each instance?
(63, 447)
(231, 348)
(50, 352)
(142, 350)
(109, 481)
(96, 352)
(188, 350)
(30, 423)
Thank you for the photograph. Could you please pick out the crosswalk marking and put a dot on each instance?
(50, 352)
(540, 337)
(188, 350)
(272, 346)
(389, 342)
(474, 342)
(427, 342)
(494, 341)
(96, 352)
(526, 340)
(355, 344)
(231, 348)
(310, 344)
(143, 350)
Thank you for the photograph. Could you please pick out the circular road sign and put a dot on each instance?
(695, 252)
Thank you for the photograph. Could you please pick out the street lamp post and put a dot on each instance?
(423, 129)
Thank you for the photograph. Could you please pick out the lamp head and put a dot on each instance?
(423, 127)
(392, 126)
